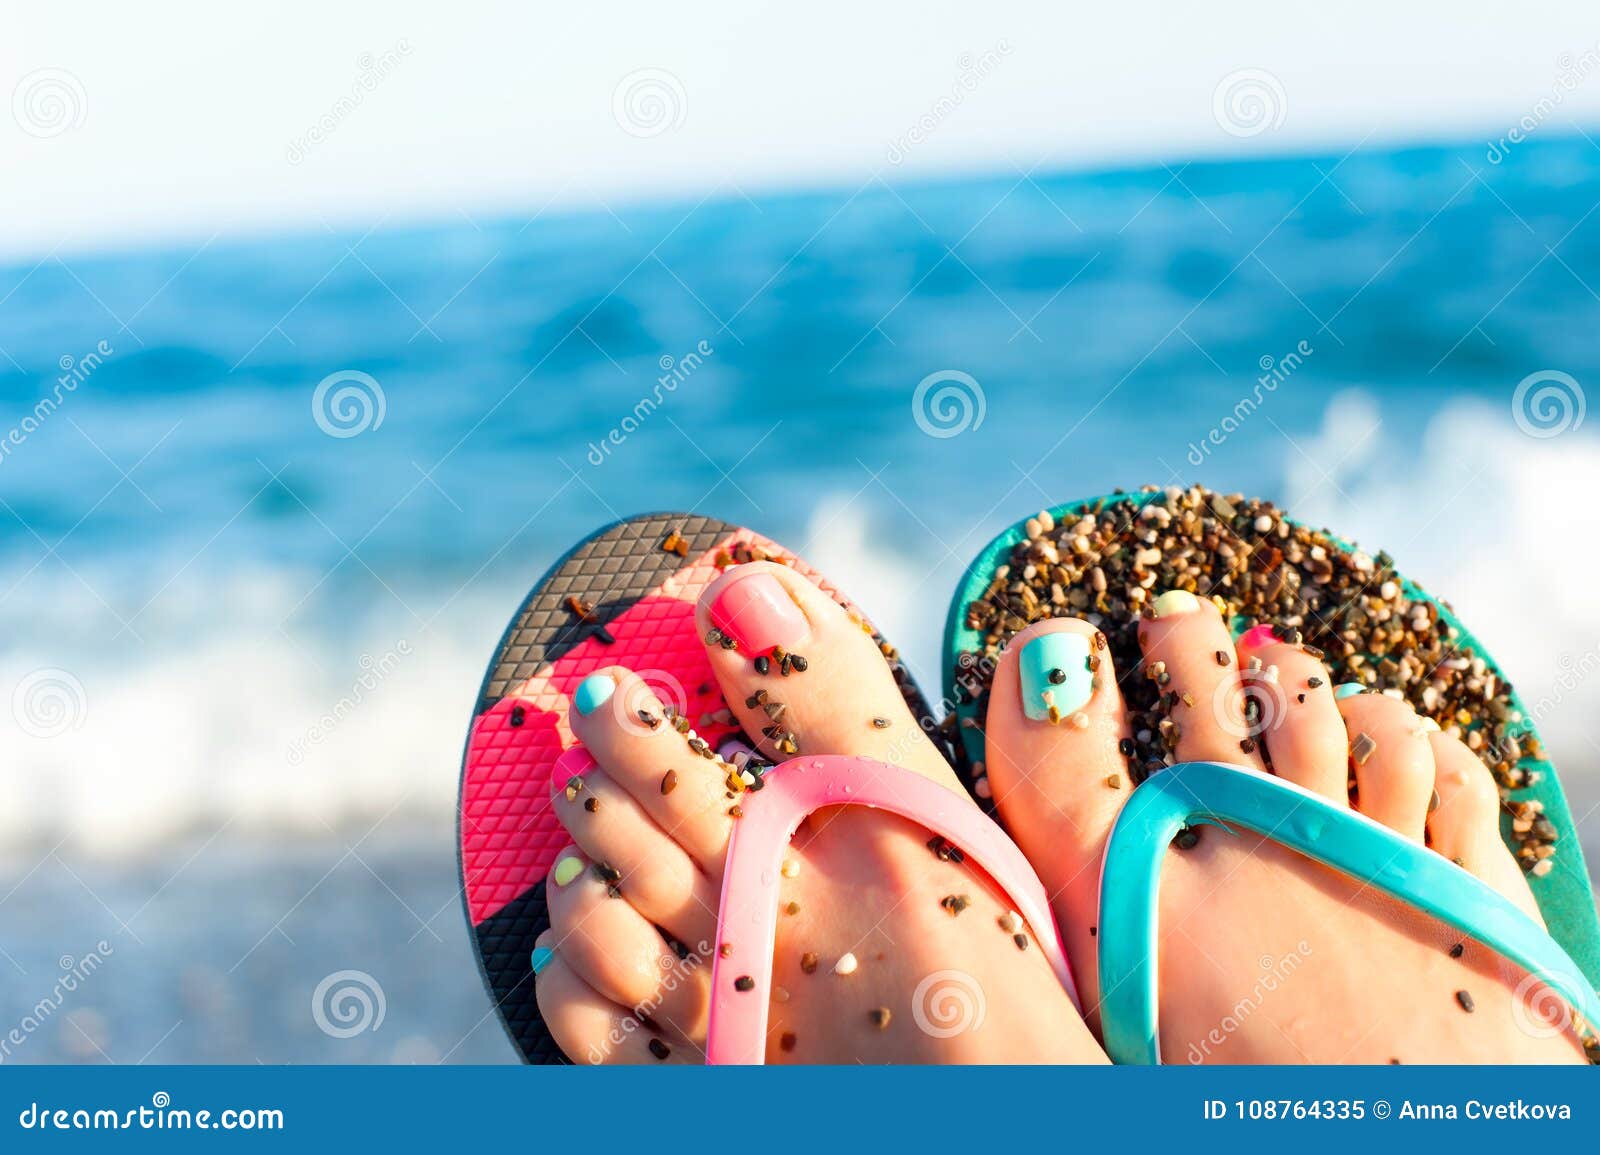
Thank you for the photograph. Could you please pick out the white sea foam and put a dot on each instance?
(231, 711)
(1491, 519)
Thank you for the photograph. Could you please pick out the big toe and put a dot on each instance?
(805, 675)
(1055, 736)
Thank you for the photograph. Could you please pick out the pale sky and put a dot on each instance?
(126, 128)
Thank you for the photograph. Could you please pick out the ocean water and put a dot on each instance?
(268, 503)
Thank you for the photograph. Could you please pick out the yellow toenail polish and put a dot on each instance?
(1429, 725)
(1175, 602)
(567, 869)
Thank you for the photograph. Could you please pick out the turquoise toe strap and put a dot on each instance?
(1195, 793)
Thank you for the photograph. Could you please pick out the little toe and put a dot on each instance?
(616, 951)
(659, 878)
(1393, 761)
(588, 1027)
(1189, 652)
(1298, 718)
(671, 774)
(804, 675)
(1465, 826)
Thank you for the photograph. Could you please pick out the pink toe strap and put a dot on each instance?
(741, 969)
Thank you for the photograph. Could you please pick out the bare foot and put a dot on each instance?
(1266, 956)
(887, 950)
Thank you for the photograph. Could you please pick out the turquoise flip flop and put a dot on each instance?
(1567, 959)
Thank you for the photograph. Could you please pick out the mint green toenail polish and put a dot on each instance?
(1349, 690)
(1055, 674)
(593, 692)
(541, 958)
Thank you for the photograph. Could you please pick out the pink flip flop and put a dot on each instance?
(741, 972)
(625, 596)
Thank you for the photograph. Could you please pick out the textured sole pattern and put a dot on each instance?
(619, 598)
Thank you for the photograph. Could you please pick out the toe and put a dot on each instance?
(589, 1028)
(616, 951)
(660, 879)
(1299, 720)
(1393, 761)
(667, 771)
(1052, 732)
(803, 675)
(1189, 652)
(1465, 826)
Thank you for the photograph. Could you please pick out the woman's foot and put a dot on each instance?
(889, 948)
(1265, 956)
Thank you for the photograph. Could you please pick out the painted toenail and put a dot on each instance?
(593, 692)
(567, 869)
(1056, 679)
(1175, 602)
(758, 613)
(1349, 690)
(542, 957)
(1429, 725)
(1262, 635)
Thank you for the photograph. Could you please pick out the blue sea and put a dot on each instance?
(268, 502)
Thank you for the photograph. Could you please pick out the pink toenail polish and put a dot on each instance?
(1256, 636)
(758, 613)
